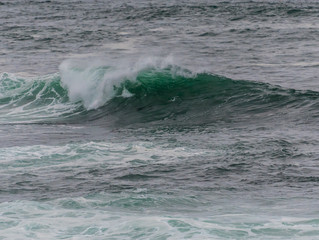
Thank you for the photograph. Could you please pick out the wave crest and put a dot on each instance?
(94, 84)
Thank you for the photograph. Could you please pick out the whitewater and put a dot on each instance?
(159, 120)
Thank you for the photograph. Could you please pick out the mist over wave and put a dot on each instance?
(94, 83)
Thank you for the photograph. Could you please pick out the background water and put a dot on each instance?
(159, 119)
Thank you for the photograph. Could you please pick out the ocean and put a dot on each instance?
(159, 119)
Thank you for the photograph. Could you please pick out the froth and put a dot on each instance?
(94, 82)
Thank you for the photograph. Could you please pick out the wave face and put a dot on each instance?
(142, 94)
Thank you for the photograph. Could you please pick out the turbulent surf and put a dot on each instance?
(161, 120)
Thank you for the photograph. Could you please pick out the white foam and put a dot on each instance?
(93, 82)
(126, 93)
(97, 218)
(92, 153)
(18, 88)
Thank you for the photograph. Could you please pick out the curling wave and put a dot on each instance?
(141, 95)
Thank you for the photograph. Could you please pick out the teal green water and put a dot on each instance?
(149, 95)
(159, 120)
(169, 155)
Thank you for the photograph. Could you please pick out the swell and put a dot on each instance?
(166, 97)
(151, 94)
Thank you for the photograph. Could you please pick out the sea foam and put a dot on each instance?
(94, 82)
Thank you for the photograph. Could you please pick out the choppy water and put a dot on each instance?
(159, 120)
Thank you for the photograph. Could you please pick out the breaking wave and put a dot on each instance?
(144, 92)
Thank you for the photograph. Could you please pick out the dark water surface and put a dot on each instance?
(159, 120)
